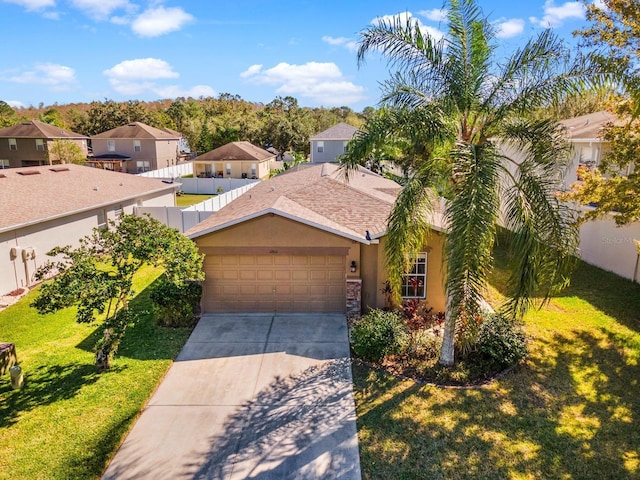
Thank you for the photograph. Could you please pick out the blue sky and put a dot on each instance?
(69, 51)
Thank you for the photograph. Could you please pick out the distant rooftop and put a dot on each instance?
(341, 131)
(236, 151)
(138, 130)
(588, 127)
(37, 129)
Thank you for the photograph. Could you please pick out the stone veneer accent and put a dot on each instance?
(354, 296)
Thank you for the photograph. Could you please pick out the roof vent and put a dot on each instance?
(2, 175)
(59, 169)
(29, 172)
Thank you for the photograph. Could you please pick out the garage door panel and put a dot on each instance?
(268, 283)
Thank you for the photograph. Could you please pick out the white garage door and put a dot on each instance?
(274, 283)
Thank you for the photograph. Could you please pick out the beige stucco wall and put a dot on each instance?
(237, 168)
(275, 231)
(16, 273)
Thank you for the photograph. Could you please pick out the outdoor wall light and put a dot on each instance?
(353, 265)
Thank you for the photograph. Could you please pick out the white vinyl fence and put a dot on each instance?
(170, 173)
(185, 218)
(611, 248)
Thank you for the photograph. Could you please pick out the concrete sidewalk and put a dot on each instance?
(250, 396)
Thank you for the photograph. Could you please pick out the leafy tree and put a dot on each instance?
(65, 151)
(53, 117)
(8, 115)
(614, 187)
(97, 276)
(455, 100)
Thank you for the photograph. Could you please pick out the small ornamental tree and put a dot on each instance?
(65, 151)
(97, 276)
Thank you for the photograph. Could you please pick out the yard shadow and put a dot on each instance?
(44, 386)
(145, 340)
(617, 297)
(572, 414)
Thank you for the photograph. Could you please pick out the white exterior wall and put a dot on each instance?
(42, 237)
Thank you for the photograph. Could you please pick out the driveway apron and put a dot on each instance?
(258, 396)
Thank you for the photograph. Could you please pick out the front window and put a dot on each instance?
(142, 166)
(4, 163)
(111, 145)
(39, 144)
(12, 144)
(414, 282)
(136, 146)
(320, 147)
(344, 146)
(228, 169)
(254, 170)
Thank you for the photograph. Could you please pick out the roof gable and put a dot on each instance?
(316, 195)
(137, 130)
(236, 151)
(37, 129)
(341, 131)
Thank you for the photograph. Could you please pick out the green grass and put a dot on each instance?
(188, 199)
(570, 411)
(69, 419)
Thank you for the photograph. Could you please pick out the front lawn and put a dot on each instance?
(69, 419)
(571, 410)
(188, 199)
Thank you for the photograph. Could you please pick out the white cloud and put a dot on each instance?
(160, 20)
(173, 91)
(435, 14)
(323, 83)
(101, 9)
(141, 75)
(15, 104)
(509, 28)
(57, 77)
(403, 17)
(33, 5)
(554, 15)
(141, 68)
(345, 42)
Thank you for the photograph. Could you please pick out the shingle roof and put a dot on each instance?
(236, 151)
(588, 126)
(137, 130)
(60, 190)
(37, 129)
(341, 131)
(316, 195)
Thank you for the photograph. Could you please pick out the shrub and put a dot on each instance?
(501, 341)
(378, 334)
(422, 344)
(176, 304)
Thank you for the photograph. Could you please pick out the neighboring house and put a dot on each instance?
(135, 148)
(601, 243)
(327, 146)
(54, 205)
(588, 147)
(234, 160)
(306, 241)
(27, 144)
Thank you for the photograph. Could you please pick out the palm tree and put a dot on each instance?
(467, 111)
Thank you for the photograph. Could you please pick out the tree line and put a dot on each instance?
(205, 122)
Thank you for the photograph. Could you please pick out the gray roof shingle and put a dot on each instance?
(137, 130)
(37, 129)
(341, 131)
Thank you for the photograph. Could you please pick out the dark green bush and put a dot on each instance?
(501, 341)
(378, 334)
(176, 304)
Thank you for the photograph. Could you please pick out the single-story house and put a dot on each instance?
(27, 144)
(54, 205)
(234, 160)
(135, 148)
(308, 241)
(329, 144)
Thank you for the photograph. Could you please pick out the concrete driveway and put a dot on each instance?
(250, 396)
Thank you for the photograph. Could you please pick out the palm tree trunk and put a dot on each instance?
(447, 352)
